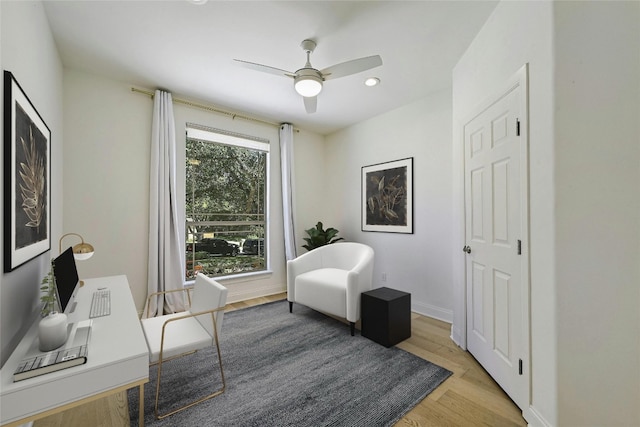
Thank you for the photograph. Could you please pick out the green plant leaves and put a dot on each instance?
(318, 236)
(48, 294)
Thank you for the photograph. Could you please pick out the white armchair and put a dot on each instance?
(331, 278)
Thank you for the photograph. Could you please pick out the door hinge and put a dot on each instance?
(517, 127)
(520, 367)
(519, 247)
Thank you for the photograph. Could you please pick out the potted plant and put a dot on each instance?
(320, 237)
(48, 294)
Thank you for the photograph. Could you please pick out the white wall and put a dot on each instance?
(28, 51)
(309, 184)
(106, 176)
(419, 263)
(597, 184)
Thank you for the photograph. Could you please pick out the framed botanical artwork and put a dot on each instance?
(387, 197)
(27, 178)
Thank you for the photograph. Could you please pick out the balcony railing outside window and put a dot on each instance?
(225, 246)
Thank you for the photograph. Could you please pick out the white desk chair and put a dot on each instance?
(174, 335)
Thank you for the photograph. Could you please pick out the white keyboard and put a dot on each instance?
(100, 303)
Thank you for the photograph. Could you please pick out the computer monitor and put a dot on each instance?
(66, 276)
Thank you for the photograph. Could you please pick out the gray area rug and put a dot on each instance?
(300, 369)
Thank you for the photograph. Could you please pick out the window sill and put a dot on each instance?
(237, 278)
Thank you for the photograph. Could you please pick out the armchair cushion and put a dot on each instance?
(326, 287)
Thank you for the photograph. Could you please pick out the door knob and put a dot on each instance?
(467, 249)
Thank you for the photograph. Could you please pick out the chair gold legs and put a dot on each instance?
(210, 396)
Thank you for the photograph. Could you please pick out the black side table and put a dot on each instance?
(386, 316)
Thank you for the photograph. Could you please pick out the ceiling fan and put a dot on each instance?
(307, 81)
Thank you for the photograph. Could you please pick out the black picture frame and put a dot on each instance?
(27, 178)
(387, 196)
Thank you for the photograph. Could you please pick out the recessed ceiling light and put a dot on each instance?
(198, 1)
(372, 81)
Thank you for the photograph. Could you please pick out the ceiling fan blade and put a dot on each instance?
(265, 68)
(310, 104)
(351, 67)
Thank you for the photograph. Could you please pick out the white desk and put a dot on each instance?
(117, 360)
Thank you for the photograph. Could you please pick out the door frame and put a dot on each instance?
(519, 81)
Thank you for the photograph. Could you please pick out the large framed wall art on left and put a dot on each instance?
(27, 178)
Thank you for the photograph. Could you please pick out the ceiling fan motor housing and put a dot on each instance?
(308, 45)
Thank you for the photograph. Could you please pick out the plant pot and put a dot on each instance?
(52, 331)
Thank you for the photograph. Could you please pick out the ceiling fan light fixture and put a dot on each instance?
(307, 84)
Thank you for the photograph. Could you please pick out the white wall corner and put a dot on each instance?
(458, 337)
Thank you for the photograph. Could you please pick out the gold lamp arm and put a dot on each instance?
(81, 251)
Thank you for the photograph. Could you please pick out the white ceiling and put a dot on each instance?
(188, 49)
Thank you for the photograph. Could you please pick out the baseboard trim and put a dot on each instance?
(533, 418)
(432, 311)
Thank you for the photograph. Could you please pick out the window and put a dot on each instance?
(226, 202)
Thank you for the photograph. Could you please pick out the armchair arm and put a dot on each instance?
(295, 267)
(186, 289)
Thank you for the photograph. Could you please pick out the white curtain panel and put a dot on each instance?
(286, 163)
(166, 263)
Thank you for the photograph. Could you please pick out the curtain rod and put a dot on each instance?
(210, 108)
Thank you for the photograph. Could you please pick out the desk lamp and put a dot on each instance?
(81, 251)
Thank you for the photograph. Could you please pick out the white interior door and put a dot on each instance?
(497, 330)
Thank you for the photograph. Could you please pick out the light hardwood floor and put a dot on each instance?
(469, 397)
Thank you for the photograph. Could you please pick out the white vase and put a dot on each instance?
(52, 331)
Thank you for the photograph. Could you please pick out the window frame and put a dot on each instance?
(219, 136)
